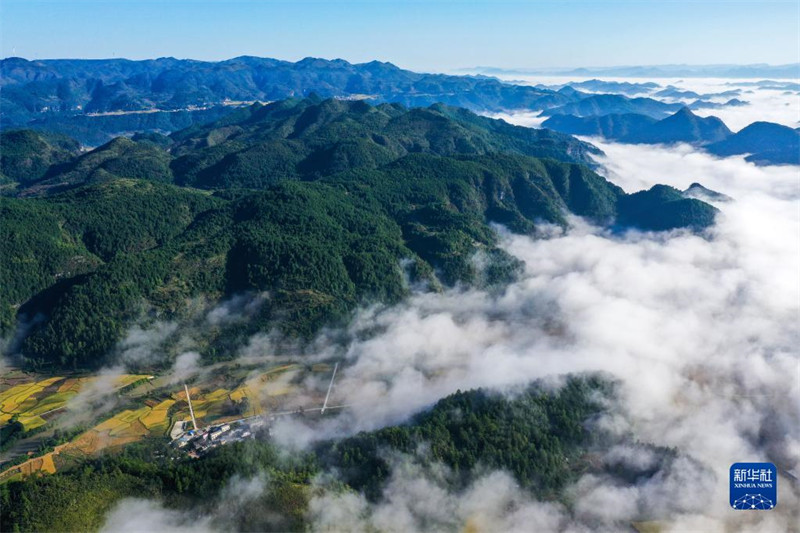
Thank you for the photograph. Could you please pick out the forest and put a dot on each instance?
(327, 205)
(543, 436)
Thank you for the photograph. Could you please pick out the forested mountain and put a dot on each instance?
(607, 104)
(317, 202)
(38, 90)
(683, 126)
(93, 100)
(763, 143)
(26, 156)
(605, 86)
(613, 126)
(543, 439)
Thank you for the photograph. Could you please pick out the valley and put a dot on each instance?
(317, 294)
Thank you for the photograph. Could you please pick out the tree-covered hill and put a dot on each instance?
(26, 155)
(307, 139)
(543, 437)
(683, 126)
(606, 104)
(318, 203)
(765, 143)
(762, 143)
(48, 90)
(538, 437)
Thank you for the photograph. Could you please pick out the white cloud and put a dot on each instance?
(136, 515)
(771, 105)
(417, 499)
(143, 345)
(702, 330)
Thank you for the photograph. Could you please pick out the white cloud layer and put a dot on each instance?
(771, 105)
(702, 330)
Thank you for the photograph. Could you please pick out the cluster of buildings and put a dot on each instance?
(197, 442)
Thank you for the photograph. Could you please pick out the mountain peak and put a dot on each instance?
(698, 191)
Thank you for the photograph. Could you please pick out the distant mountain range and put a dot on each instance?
(603, 86)
(626, 97)
(764, 143)
(791, 71)
(96, 100)
(604, 104)
(47, 93)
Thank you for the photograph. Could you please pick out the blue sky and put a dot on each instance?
(422, 35)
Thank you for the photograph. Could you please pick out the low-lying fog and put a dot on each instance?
(701, 330)
(777, 105)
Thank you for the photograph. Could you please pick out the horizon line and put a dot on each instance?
(475, 67)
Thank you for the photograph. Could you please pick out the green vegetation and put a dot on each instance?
(538, 436)
(59, 96)
(662, 208)
(26, 156)
(318, 203)
(121, 158)
(307, 139)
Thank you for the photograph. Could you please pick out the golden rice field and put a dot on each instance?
(260, 388)
(29, 401)
(123, 428)
(157, 419)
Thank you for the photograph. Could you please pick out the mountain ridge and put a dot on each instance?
(762, 143)
(95, 100)
(150, 224)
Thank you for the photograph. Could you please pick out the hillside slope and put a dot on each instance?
(324, 205)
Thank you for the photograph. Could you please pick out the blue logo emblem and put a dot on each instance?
(754, 486)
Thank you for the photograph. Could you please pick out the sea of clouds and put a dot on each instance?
(701, 331)
(763, 104)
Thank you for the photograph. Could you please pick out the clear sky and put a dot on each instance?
(433, 35)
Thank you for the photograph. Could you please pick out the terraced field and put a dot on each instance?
(34, 402)
(214, 401)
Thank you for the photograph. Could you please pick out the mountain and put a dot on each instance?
(309, 138)
(765, 142)
(606, 104)
(758, 70)
(96, 129)
(613, 126)
(662, 208)
(705, 104)
(673, 92)
(683, 126)
(111, 95)
(26, 156)
(306, 138)
(120, 157)
(699, 192)
(605, 86)
(544, 437)
(352, 192)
